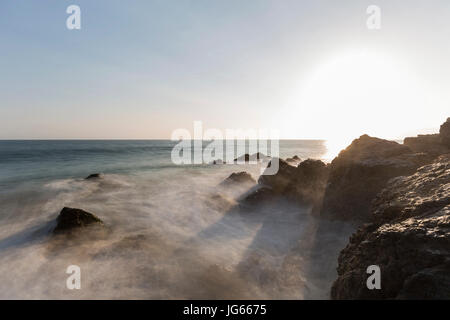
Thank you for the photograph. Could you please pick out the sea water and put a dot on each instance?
(173, 231)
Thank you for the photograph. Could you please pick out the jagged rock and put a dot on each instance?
(238, 178)
(309, 182)
(258, 196)
(72, 218)
(409, 240)
(362, 170)
(304, 183)
(295, 160)
(444, 133)
(93, 176)
(428, 143)
(280, 181)
(433, 144)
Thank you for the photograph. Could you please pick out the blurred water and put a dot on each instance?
(174, 232)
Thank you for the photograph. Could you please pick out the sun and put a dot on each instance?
(353, 93)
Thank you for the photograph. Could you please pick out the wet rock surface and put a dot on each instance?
(71, 219)
(93, 176)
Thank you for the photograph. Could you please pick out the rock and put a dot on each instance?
(280, 181)
(247, 158)
(71, 218)
(424, 192)
(304, 184)
(218, 161)
(361, 171)
(309, 183)
(93, 176)
(428, 143)
(444, 133)
(433, 144)
(260, 195)
(409, 240)
(295, 160)
(238, 178)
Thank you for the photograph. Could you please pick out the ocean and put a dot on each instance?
(173, 231)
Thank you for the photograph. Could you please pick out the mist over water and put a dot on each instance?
(172, 231)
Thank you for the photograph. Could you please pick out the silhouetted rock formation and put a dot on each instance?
(238, 178)
(304, 183)
(444, 133)
(70, 219)
(409, 240)
(247, 158)
(434, 144)
(362, 170)
(295, 160)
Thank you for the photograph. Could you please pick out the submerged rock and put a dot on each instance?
(71, 218)
(362, 170)
(93, 176)
(409, 240)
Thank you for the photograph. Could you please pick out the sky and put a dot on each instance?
(142, 69)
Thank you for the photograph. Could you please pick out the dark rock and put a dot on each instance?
(247, 158)
(280, 181)
(444, 133)
(93, 176)
(433, 144)
(428, 143)
(71, 218)
(238, 178)
(361, 171)
(304, 184)
(258, 196)
(409, 240)
(295, 160)
(309, 183)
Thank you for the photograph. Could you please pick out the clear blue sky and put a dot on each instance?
(141, 69)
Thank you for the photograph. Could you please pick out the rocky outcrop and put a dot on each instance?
(409, 240)
(362, 170)
(238, 178)
(433, 144)
(70, 219)
(444, 133)
(304, 183)
(294, 161)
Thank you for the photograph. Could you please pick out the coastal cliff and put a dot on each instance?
(398, 198)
